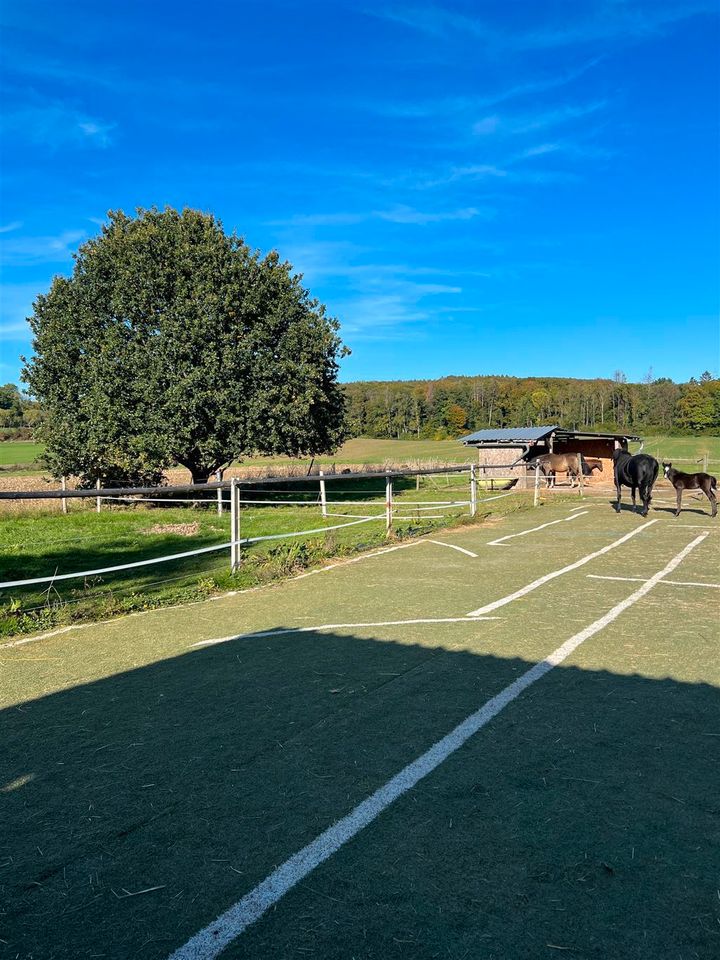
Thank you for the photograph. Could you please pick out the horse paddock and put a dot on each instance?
(500, 741)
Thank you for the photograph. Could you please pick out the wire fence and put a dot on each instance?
(245, 503)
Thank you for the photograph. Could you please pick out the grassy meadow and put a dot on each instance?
(21, 456)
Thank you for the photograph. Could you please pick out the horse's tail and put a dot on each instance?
(713, 482)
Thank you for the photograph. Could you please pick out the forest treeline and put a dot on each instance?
(451, 406)
(448, 407)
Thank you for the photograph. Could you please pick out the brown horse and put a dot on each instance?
(590, 464)
(552, 463)
(691, 481)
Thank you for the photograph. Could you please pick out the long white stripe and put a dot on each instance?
(336, 626)
(557, 573)
(675, 583)
(524, 533)
(441, 543)
(221, 596)
(213, 939)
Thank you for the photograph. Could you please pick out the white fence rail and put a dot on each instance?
(394, 510)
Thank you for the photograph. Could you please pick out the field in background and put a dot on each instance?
(363, 450)
(20, 453)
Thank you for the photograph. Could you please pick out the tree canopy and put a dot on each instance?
(173, 342)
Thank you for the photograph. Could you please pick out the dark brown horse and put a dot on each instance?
(691, 481)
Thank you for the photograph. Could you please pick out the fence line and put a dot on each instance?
(225, 484)
(391, 510)
(180, 556)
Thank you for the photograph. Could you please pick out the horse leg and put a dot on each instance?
(634, 501)
(678, 491)
(710, 494)
(619, 494)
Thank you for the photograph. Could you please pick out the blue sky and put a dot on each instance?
(513, 187)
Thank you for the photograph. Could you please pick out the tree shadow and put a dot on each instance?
(138, 807)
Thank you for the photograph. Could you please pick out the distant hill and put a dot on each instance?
(451, 406)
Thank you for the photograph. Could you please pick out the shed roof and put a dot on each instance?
(522, 435)
(510, 435)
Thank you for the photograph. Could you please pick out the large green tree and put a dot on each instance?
(173, 342)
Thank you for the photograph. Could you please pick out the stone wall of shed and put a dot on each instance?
(491, 462)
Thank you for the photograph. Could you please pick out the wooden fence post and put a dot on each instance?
(388, 504)
(537, 485)
(473, 491)
(580, 477)
(63, 483)
(323, 495)
(705, 462)
(97, 499)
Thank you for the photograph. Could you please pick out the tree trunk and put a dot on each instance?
(200, 474)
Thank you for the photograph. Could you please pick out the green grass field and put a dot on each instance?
(39, 543)
(20, 453)
(364, 450)
(152, 778)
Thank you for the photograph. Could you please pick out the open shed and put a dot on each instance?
(518, 445)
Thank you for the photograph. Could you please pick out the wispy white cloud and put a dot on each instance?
(56, 124)
(404, 214)
(469, 104)
(532, 122)
(23, 251)
(15, 330)
(595, 22)
(397, 214)
(16, 300)
(9, 227)
(376, 300)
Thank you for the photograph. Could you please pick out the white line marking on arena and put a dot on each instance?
(675, 583)
(452, 546)
(213, 939)
(557, 573)
(523, 533)
(691, 526)
(337, 626)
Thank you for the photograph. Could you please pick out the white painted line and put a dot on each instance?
(221, 596)
(364, 556)
(690, 526)
(557, 573)
(337, 626)
(675, 583)
(452, 546)
(209, 943)
(523, 533)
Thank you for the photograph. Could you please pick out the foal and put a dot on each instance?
(691, 481)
